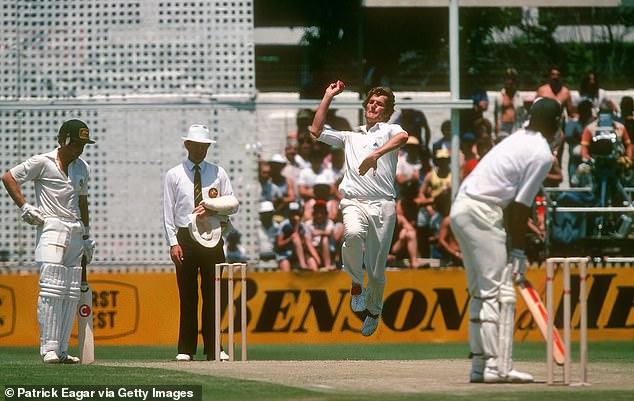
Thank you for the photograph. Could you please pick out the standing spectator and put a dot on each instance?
(282, 188)
(480, 104)
(509, 177)
(303, 119)
(264, 178)
(187, 187)
(589, 89)
(290, 246)
(414, 123)
(572, 134)
(320, 238)
(509, 110)
(368, 203)
(267, 232)
(61, 217)
(555, 89)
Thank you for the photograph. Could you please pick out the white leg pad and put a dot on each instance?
(57, 304)
(507, 319)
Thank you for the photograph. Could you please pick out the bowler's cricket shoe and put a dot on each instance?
(357, 298)
(183, 357)
(50, 357)
(68, 359)
(370, 324)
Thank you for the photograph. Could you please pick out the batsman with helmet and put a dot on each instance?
(61, 218)
(508, 177)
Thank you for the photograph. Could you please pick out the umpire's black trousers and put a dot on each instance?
(196, 258)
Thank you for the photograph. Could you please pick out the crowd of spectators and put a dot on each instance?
(301, 223)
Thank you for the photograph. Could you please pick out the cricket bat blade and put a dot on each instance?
(85, 334)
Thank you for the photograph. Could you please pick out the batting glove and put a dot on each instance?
(32, 215)
(89, 249)
(518, 263)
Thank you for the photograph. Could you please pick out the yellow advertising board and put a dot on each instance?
(303, 307)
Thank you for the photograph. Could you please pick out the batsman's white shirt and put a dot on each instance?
(513, 170)
(358, 145)
(178, 200)
(57, 194)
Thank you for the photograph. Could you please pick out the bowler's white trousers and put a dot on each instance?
(368, 229)
(479, 228)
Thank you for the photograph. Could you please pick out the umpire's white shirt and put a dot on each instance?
(56, 193)
(178, 194)
(358, 145)
(513, 170)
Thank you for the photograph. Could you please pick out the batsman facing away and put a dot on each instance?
(63, 236)
(508, 177)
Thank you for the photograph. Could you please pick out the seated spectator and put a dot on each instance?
(267, 233)
(409, 165)
(469, 157)
(435, 183)
(445, 141)
(234, 251)
(308, 176)
(282, 188)
(404, 241)
(448, 247)
(291, 241)
(320, 238)
(323, 191)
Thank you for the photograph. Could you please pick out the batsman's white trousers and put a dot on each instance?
(368, 229)
(58, 253)
(479, 229)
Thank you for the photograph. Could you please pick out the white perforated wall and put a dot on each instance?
(131, 70)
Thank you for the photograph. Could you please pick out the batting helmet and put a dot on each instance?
(73, 130)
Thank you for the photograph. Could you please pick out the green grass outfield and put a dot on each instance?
(22, 366)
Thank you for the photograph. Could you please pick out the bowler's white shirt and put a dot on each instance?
(56, 194)
(178, 194)
(357, 146)
(512, 170)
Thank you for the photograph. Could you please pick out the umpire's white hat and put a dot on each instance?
(198, 133)
(205, 230)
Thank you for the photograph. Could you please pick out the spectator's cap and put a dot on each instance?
(468, 136)
(266, 207)
(294, 207)
(321, 180)
(412, 140)
(205, 230)
(442, 153)
(278, 158)
(198, 133)
(75, 131)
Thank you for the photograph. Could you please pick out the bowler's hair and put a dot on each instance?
(382, 91)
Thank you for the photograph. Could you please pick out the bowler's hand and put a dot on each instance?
(176, 253)
(367, 164)
(335, 88)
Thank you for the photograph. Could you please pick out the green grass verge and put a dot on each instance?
(22, 366)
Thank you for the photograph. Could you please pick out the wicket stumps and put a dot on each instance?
(230, 268)
(583, 317)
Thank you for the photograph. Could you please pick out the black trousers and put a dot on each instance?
(196, 259)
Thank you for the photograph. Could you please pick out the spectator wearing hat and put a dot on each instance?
(320, 238)
(282, 188)
(187, 187)
(408, 166)
(267, 232)
(60, 178)
(434, 184)
(290, 247)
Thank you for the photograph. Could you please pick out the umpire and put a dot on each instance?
(186, 186)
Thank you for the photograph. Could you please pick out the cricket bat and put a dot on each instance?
(540, 316)
(85, 335)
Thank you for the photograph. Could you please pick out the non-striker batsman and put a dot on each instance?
(508, 177)
(60, 215)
